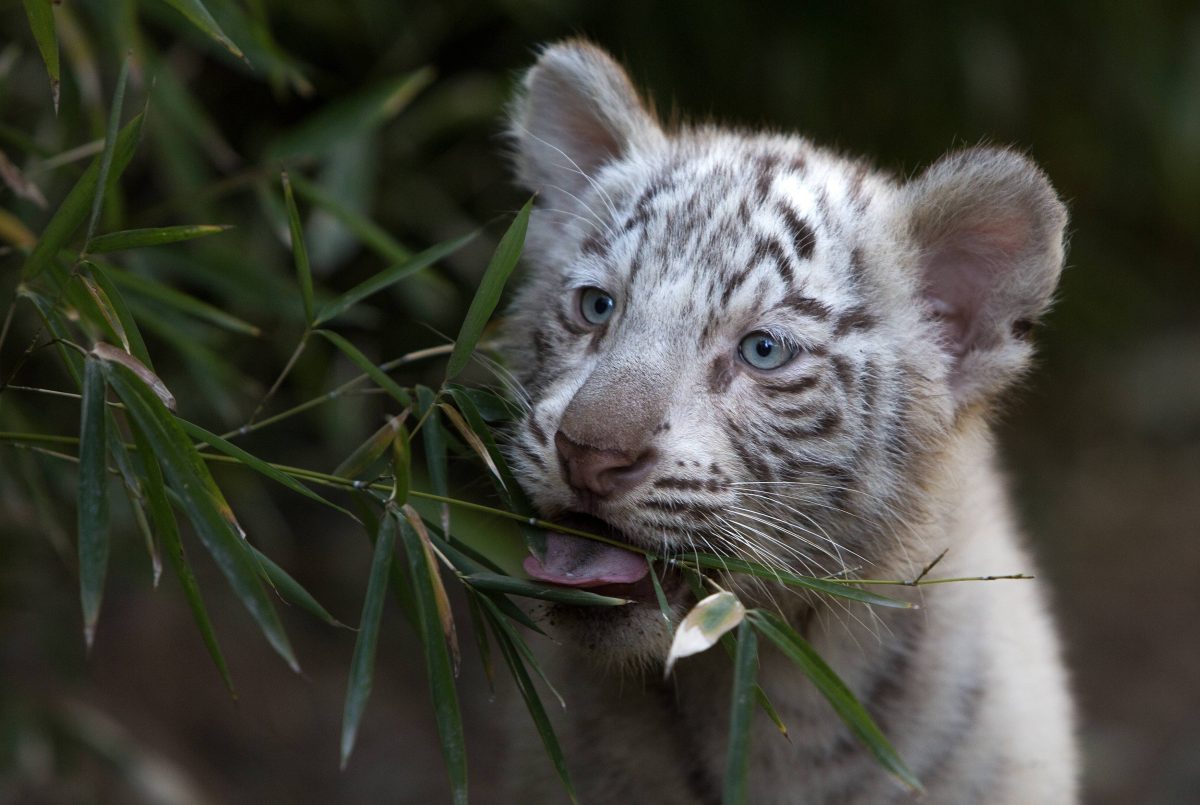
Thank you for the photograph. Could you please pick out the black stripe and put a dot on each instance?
(804, 239)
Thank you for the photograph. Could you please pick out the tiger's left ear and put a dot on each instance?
(989, 229)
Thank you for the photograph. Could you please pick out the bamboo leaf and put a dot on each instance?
(437, 664)
(741, 711)
(352, 116)
(839, 589)
(257, 464)
(442, 601)
(401, 467)
(366, 453)
(137, 345)
(201, 500)
(299, 250)
(197, 14)
(168, 534)
(701, 628)
(362, 665)
(74, 208)
(473, 439)
(105, 308)
(367, 231)
(110, 144)
(158, 236)
(93, 497)
(482, 644)
(663, 607)
(41, 22)
(291, 590)
(180, 301)
(434, 441)
(834, 689)
(504, 260)
(377, 375)
(537, 712)
(133, 488)
(496, 583)
(491, 602)
(390, 275)
(111, 354)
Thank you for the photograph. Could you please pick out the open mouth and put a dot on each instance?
(601, 567)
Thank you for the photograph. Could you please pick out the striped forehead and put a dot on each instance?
(741, 229)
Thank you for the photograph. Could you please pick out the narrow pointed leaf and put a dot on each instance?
(401, 467)
(467, 563)
(74, 208)
(741, 711)
(482, 644)
(440, 599)
(41, 22)
(299, 250)
(434, 441)
(181, 301)
(472, 439)
(496, 583)
(839, 589)
(137, 345)
(389, 276)
(377, 375)
(201, 500)
(369, 233)
(834, 689)
(492, 604)
(133, 488)
(351, 116)
(168, 534)
(366, 453)
(111, 354)
(504, 260)
(257, 464)
(158, 236)
(110, 144)
(100, 298)
(291, 590)
(663, 607)
(362, 665)
(197, 14)
(93, 496)
(537, 712)
(438, 667)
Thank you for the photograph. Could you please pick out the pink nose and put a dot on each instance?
(602, 473)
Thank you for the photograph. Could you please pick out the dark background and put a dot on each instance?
(1103, 443)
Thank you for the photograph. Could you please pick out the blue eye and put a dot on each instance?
(762, 351)
(596, 305)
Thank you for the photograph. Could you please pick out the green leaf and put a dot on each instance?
(701, 628)
(201, 500)
(741, 711)
(158, 236)
(663, 607)
(366, 453)
(180, 301)
(168, 534)
(482, 644)
(350, 116)
(388, 276)
(492, 603)
(491, 407)
(377, 375)
(74, 208)
(437, 664)
(362, 665)
(496, 583)
(93, 496)
(137, 344)
(537, 712)
(834, 689)
(434, 441)
(133, 489)
(41, 22)
(504, 260)
(110, 144)
(198, 15)
(401, 466)
(299, 250)
(292, 591)
(257, 464)
(367, 231)
(841, 590)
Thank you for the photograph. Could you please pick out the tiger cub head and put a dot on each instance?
(745, 344)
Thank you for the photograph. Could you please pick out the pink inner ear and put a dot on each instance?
(963, 270)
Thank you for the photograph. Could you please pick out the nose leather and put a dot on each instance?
(602, 473)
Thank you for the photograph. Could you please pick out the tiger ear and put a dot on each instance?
(990, 229)
(577, 112)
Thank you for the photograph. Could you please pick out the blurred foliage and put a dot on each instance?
(390, 113)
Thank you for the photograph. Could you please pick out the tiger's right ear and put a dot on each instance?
(577, 112)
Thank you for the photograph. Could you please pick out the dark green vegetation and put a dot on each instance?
(385, 117)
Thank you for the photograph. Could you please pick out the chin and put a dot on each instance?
(628, 639)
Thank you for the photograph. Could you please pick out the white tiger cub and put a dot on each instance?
(745, 344)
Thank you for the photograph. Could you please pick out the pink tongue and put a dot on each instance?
(578, 562)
